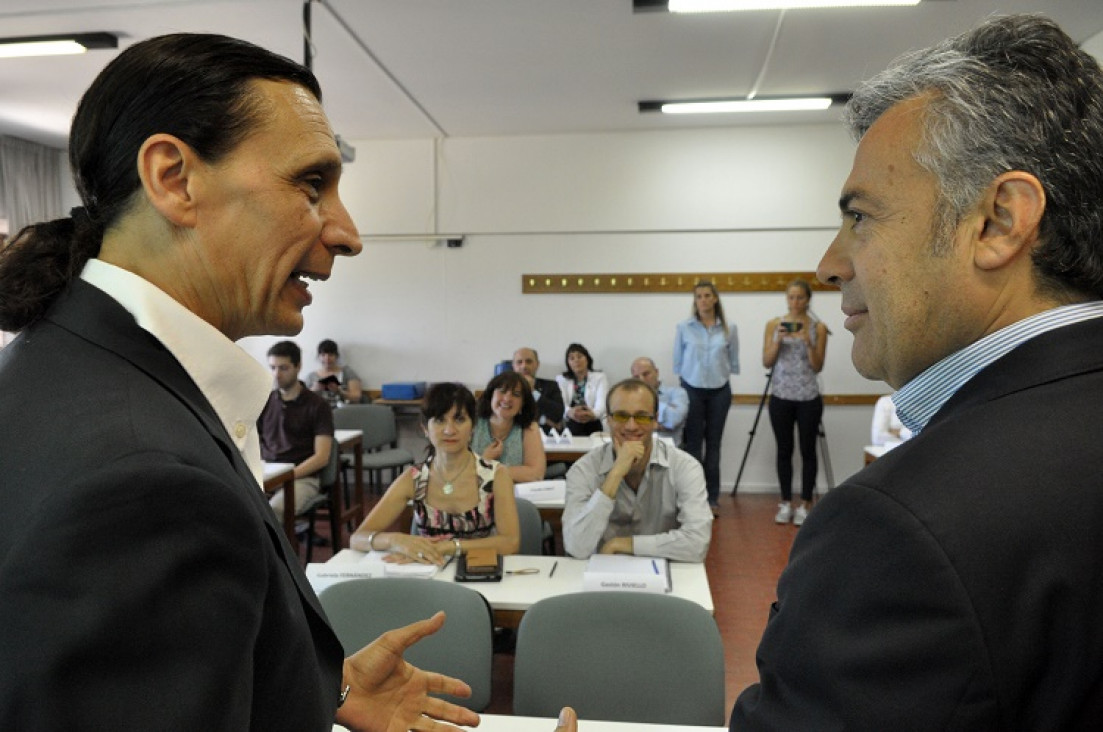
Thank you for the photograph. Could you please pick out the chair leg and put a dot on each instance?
(310, 538)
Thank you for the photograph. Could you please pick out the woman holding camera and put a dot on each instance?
(795, 346)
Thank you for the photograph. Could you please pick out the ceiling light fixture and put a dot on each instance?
(727, 106)
(722, 6)
(56, 45)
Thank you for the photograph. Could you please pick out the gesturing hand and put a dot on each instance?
(389, 695)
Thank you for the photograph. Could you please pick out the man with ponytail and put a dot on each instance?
(144, 582)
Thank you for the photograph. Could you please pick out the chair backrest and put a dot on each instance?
(620, 656)
(376, 421)
(532, 527)
(361, 610)
(327, 476)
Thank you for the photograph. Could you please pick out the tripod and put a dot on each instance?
(821, 439)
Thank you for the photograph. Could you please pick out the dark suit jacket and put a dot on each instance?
(144, 583)
(550, 403)
(957, 582)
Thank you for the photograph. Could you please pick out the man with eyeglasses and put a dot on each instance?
(636, 495)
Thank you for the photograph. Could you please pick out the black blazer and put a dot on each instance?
(550, 404)
(957, 582)
(144, 582)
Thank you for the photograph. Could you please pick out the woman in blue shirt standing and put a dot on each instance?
(706, 354)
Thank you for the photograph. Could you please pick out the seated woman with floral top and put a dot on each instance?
(461, 501)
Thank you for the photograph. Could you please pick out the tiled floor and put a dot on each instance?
(747, 554)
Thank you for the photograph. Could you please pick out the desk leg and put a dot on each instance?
(358, 464)
(289, 514)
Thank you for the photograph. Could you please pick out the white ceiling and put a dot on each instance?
(461, 68)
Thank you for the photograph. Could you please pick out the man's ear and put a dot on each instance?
(165, 166)
(1012, 212)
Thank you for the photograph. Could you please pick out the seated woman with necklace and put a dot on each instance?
(507, 430)
(461, 501)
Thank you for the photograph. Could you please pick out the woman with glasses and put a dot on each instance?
(635, 494)
(706, 354)
(795, 347)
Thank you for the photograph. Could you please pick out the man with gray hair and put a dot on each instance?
(673, 400)
(957, 582)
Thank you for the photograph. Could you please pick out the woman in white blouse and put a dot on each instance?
(583, 391)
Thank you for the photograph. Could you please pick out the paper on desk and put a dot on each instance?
(620, 572)
(413, 569)
(322, 575)
(541, 491)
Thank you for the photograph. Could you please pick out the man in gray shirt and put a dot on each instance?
(636, 495)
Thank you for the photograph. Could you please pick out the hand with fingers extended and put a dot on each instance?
(386, 694)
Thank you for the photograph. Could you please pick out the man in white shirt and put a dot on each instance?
(636, 495)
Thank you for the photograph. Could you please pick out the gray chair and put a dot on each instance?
(363, 609)
(335, 501)
(532, 527)
(380, 439)
(620, 656)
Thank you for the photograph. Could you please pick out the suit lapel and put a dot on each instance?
(89, 313)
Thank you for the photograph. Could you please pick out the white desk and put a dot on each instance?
(516, 593)
(282, 475)
(508, 723)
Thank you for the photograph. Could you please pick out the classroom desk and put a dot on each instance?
(282, 475)
(510, 598)
(510, 723)
(351, 441)
(568, 452)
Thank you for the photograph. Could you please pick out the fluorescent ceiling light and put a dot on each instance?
(55, 45)
(719, 6)
(714, 106)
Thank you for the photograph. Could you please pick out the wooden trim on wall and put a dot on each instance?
(643, 282)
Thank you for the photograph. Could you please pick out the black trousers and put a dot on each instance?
(784, 414)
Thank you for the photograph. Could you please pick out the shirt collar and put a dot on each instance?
(921, 398)
(233, 382)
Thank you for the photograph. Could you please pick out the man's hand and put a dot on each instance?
(390, 695)
(568, 721)
(618, 545)
(628, 454)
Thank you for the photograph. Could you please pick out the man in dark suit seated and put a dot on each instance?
(549, 400)
(957, 582)
(144, 581)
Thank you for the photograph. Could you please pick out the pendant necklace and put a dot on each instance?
(448, 488)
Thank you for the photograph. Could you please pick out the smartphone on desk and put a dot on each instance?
(479, 565)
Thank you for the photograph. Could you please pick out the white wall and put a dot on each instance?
(747, 199)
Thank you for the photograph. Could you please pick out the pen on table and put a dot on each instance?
(654, 566)
(552, 572)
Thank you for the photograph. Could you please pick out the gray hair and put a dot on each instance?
(1015, 93)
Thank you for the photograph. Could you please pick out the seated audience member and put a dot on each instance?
(506, 428)
(461, 501)
(583, 391)
(339, 384)
(549, 400)
(887, 427)
(673, 400)
(296, 426)
(636, 495)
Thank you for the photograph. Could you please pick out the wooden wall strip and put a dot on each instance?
(579, 283)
